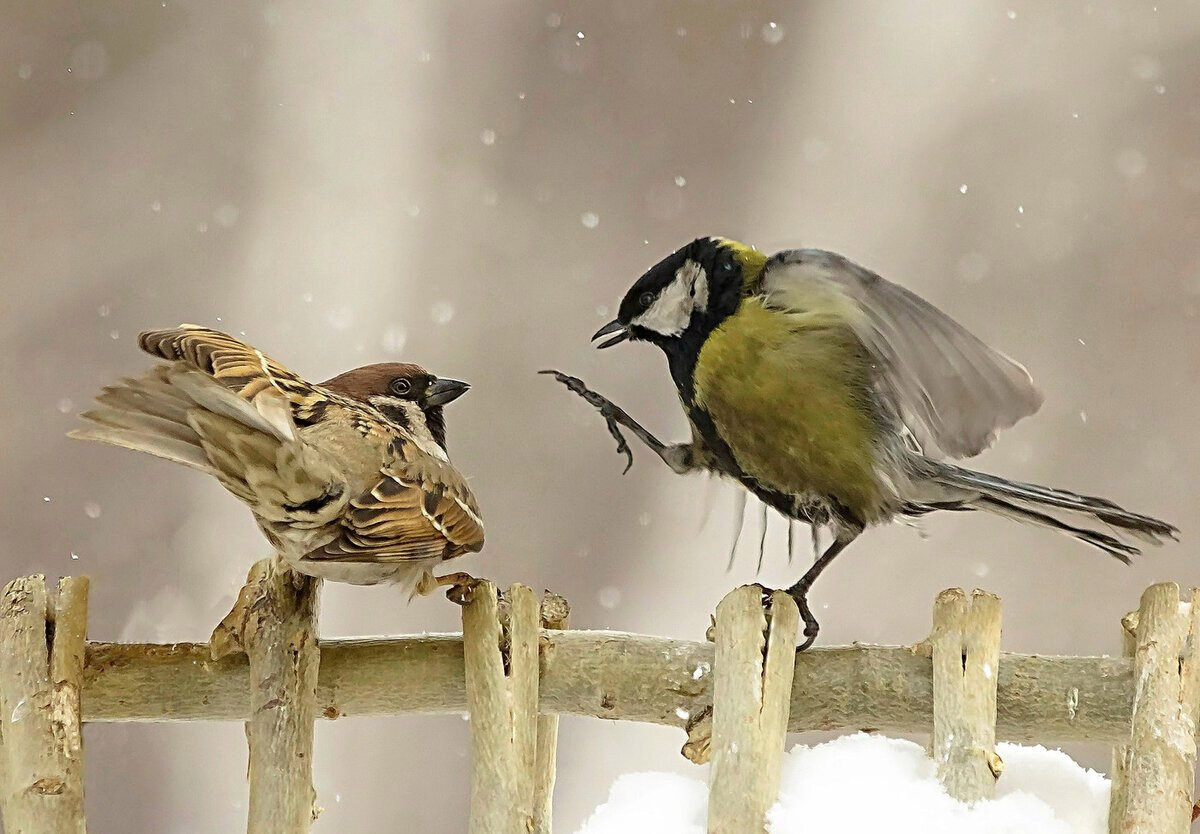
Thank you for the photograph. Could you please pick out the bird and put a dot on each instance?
(838, 398)
(348, 479)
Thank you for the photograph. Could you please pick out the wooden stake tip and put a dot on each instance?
(1164, 593)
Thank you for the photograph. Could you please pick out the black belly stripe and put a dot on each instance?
(727, 465)
(789, 506)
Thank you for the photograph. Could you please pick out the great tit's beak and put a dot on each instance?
(613, 326)
(442, 391)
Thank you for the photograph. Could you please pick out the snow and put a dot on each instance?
(868, 784)
(663, 803)
(609, 597)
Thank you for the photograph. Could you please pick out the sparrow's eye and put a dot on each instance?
(401, 386)
(645, 300)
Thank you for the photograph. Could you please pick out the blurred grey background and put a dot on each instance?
(472, 186)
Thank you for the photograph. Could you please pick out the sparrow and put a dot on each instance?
(837, 397)
(349, 479)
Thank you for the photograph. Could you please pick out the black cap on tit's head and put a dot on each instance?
(690, 291)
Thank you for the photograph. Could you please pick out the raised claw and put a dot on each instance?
(610, 411)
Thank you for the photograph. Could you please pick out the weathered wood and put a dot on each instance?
(965, 644)
(555, 615)
(619, 676)
(501, 678)
(1159, 767)
(752, 684)
(1119, 786)
(278, 617)
(523, 629)
(41, 663)
(66, 672)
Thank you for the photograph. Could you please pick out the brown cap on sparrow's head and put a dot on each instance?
(393, 388)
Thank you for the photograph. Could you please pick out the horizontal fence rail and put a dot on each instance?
(615, 675)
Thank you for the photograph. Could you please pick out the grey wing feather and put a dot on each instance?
(951, 390)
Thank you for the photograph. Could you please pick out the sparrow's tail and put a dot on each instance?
(147, 414)
(250, 446)
(1033, 504)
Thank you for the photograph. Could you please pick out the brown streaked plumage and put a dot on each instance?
(349, 479)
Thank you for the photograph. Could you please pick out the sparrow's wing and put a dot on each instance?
(421, 508)
(207, 369)
(237, 366)
(951, 390)
(222, 407)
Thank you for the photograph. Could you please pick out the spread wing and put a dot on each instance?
(421, 508)
(239, 367)
(951, 390)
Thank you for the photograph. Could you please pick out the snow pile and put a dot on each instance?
(662, 803)
(864, 784)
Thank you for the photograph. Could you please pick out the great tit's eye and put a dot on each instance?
(645, 299)
(400, 386)
(729, 265)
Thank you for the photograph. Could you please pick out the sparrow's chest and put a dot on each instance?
(792, 405)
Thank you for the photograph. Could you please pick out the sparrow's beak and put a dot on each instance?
(613, 326)
(442, 391)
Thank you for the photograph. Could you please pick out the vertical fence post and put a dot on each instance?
(275, 622)
(1120, 757)
(1155, 791)
(753, 669)
(41, 669)
(502, 697)
(555, 615)
(966, 653)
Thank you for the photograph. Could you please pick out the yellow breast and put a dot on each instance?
(789, 394)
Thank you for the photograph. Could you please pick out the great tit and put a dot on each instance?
(836, 397)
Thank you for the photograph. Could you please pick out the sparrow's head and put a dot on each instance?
(406, 394)
(687, 293)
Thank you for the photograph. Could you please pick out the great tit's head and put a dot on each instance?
(406, 394)
(690, 290)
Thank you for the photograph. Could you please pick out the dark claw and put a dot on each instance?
(622, 445)
(611, 413)
(765, 591)
(811, 626)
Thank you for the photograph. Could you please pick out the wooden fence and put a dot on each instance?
(515, 668)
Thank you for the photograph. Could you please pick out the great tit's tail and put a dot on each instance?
(1034, 504)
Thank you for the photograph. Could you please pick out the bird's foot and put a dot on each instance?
(800, 595)
(614, 416)
(677, 456)
(811, 626)
(461, 586)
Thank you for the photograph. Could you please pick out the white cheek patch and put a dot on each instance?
(700, 291)
(671, 312)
